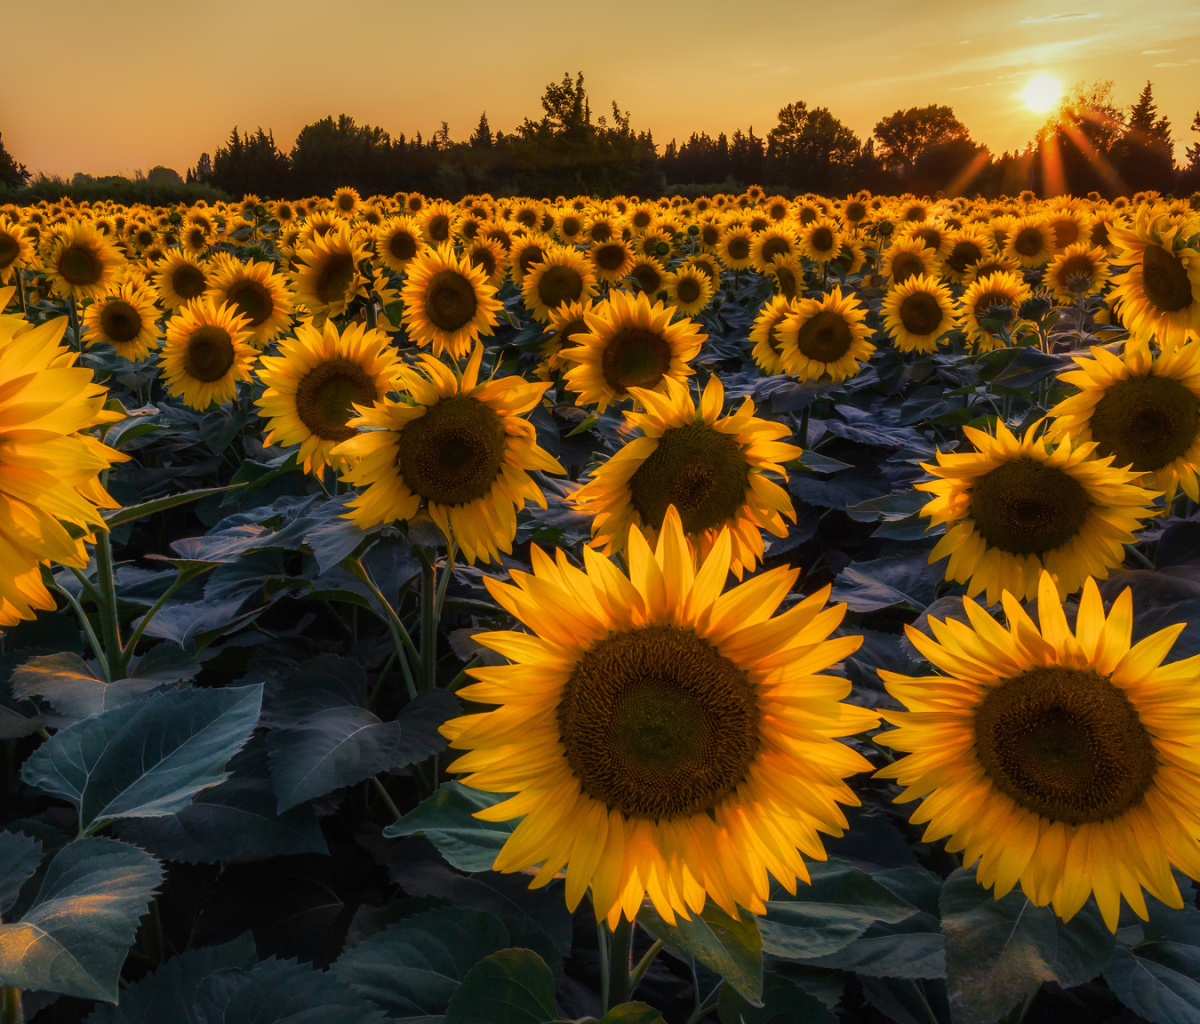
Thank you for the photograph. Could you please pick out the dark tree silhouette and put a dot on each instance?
(1144, 155)
(810, 150)
(249, 163)
(12, 174)
(906, 134)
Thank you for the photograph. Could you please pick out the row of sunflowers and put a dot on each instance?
(581, 416)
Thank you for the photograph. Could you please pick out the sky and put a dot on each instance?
(140, 83)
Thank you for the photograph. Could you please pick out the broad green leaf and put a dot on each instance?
(513, 986)
(632, 1013)
(914, 948)
(783, 1002)
(19, 859)
(731, 947)
(415, 966)
(70, 685)
(445, 819)
(147, 758)
(75, 936)
(998, 951)
(148, 508)
(1159, 977)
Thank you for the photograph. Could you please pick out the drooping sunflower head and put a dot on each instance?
(207, 351)
(995, 298)
(1063, 741)
(81, 262)
(562, 276)
(1160, 292)
(315, 382)
(398, 242)
(328, 277)
(566, 321)
(1016, 506)
(648, 724)
(448, 302)
(629, 343)
(260, 294)
(712, 469)
(919, 314)
(1078, 270)
(126, 320)
(453, 448)
(689, 289)
(826, 337)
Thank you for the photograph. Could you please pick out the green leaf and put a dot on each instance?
(75, 937)
(998, 951)
(19, 858)
(731, 947)
(445, 819)
(914, 948)
(67, 682)
(415, 966)
(632, 1013)
(148, 508)
(839, 905)
(783, 1002)
(513, 986)
(147, 758)
(1159, 977)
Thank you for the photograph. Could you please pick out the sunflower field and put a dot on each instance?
(740, 609)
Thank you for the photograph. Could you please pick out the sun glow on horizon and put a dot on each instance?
(1042, 93)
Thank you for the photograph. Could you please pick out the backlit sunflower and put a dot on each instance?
(489, 256)
(629, 343)
(527, 250)
(734, 246)
(649, 275)
(820, 240)
(1063, 760)
(659, 737)
(918, 313)
(907, 258)
(1141, 408)
(346, 202)
(398, 242)
(566, 321)
(453, 447)
(316, 379)
(1014, 507)
(1078, 270)
(995, 297)
(826, 336)
(611, 260)
(778, 240)
(328, 277)
(447, 302)
(787, 274)
(1160, 292)
(689, 289)
(260, 295)
(49, 472)
(126, 320)
(206, 353)
(562, 276)
(81, 263)
(767, 352)
(1030, 242)
(711, 468)
(437, 222)
(964, 250)
(16, 251)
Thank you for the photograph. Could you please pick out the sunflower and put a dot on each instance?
(734, 246)
(711, 468)
(648, 275)
(826, 336)
(126, 320)
(313, 383)
(565, 322)
(328, 277)
(346, 202)
(820, 240)
(775, 241)
(1030, 242)
(994, 297)
(1015, 507)
(612, 260)
(1064, 761)
(207, 352)
(689, 289)
(81, 262)
(629, 343)
(662, 739)
(786, 274)
(1078, 270)
(563, 275)
(437, 222)
(454, 446)
(489, 256)
(398, 242)
(1141, 408)
(918, 314)
(1070, 227)
(966, 249)
(767, 352)
(260, 295)
(527, 250)
(196, 234)
(907, 258)
(599, 228)
(16, 251)
(447, 302)
(991, 265)
(1160, 292)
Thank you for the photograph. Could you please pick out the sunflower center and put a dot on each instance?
(699, 470)
(688, 290)
(334, 278)
(855, 211)
(452, 455)
(120, 321)
(773, 247)
(1065, 743)
(439, 227)
(920, 313)
(739, 248)
(253, 301)
(1027, 507)
(635, 358)
(188, 281)
(1078, 266)
(657, 724)
(574, 327)
(610, 257)
(530, 255)
(1029, 241)
(450, 301)
(1164, 278)
(825, 338)
(402, 246)
(10, 249)
(325, 394)
(906, 265)
(80, 265)
(1065, 233)
(483, 258)
(558, 285)
(209, 353)
(963, 255)
(710, 234)
(648, 278)
(1147, 421)
(822, 240)
(601, 231)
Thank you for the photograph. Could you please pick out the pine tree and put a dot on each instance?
(482, 139)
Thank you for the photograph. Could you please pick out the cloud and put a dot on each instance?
(1150, 53)
(1177, 63)
(1050, 18)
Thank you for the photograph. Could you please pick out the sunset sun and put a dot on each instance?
(1042, 93)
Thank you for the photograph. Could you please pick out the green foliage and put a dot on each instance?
(730, 947)
(446, 820)
(512, 986)
(1155, 970)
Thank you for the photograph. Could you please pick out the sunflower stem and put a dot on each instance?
(620, 941)
(1140, 558)
(405, 648)
(110, 626)
(387, 797)
(10, 1006)
(429, 622)
(371, 313)
(602, 949)
(73, 318)
(643, 965)
(93, 640)
(128, 650)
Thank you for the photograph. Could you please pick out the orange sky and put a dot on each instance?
(138, 84)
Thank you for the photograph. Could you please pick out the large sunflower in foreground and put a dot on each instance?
(447, 302)
(260, 294)
(918, 313)
(711, 468)
(49, 472)
(659, 737)
(328, 276)
(1141, 408)
(314, 382)
(1064, 761)
(825, 336)
(126, 319)
(454, 447)
(206, 353)
(1160, 292)
(1014, 507)
(81, 263)
(629, 343)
